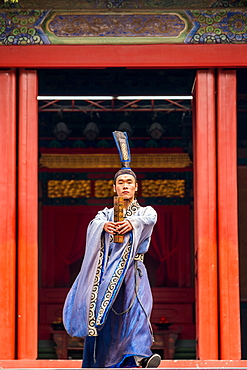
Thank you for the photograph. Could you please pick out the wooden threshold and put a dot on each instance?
(165, 364)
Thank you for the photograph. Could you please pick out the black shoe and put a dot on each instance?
(152, 361)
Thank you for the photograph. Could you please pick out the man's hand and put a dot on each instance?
(122, 227)
(110, 227)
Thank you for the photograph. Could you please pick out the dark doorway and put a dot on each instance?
(70, 196)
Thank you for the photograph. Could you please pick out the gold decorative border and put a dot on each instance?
(113, 284)
(163, 188)
(174, 160)
(104, 188)
(92, 331)
(69, 188)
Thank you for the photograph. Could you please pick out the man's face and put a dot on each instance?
(126, 186)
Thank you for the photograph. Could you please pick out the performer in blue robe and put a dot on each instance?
(110, 301)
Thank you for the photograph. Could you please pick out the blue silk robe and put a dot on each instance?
(110, 301)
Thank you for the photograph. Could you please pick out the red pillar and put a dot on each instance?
(27, 341)
(205, 215)
(8, 213)
(230, 345)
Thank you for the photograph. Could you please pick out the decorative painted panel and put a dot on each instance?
(95, 188)
(149, 160)
(217, 26)
(123, 4)
(19, 27)
(78, 26)
(69, 188)
(37, 27)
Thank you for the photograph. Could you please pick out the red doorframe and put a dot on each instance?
(8, 213)
(204, 131)
(229, 300)
(27, 280)
(98, 56)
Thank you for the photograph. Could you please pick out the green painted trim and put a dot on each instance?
(114, 41)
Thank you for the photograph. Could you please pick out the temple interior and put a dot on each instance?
(78, 111)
